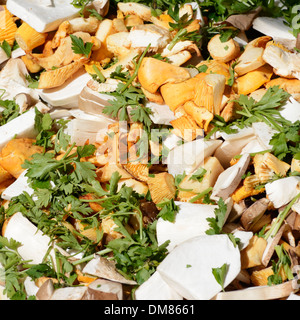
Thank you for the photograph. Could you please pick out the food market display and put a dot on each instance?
(149, 150)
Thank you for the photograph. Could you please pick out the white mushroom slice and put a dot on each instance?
(212, 168)
(188, 268)
(83, 130)
(230, 148)
(244, 238)
(240, 134)
(293, 296)
(277, 29)
(188, 156)
(103, 268)
(22, 127)
(30, 287)
(69, 293)
(285, 64)
(17, 53)
(291, 110)
(191, 221)
(35, 244)
(296, 207)
(18, 187)
(155, 288)
(161, 114)
(229, 180)
(15, 69)
(254, 146)
(282, 191)
(142, 35)
(264, 134)
(24, 101)
(13, 80)
(91, 101)
(42, 15)
(275, 292)
(66, 95)
(171, 141)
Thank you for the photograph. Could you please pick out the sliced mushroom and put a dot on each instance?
(46, 290)
(223, 51)
(24, 101)
(272, 242)
(101, 6)
(282, 191)
(229, 180)
(188, 156)
(105, 269)
(285, 63)
(155, 288)
(142, 35)
(254, 213)
(188, 267)
(35, 244)
(101, 289)
(260, 293)
(252, 58)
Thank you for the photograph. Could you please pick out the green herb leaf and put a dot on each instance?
(168, 210)
(220, 274)
(217, 223)
(6, 48)
(79, 47)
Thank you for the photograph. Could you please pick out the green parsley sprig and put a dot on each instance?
(79, 47)
(128, 96)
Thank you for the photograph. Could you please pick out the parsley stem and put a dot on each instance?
(180, 34)
(201, 195)
(68, 151)
(279, 220)
(129, 82)
(99, 73)
(92, 256)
